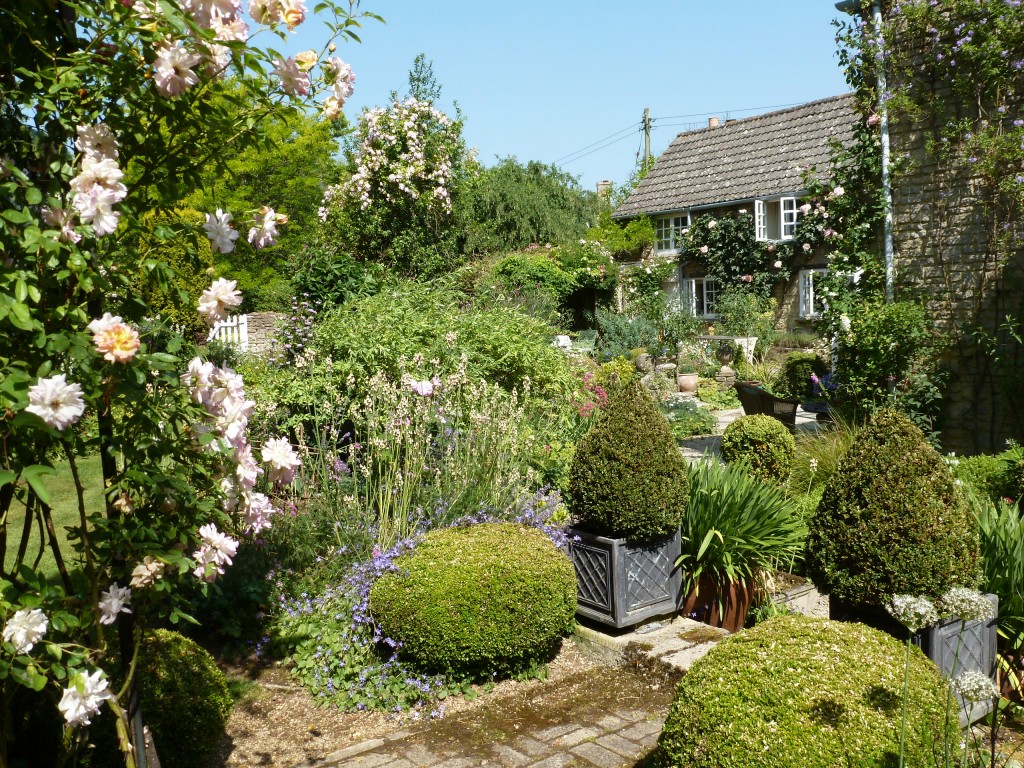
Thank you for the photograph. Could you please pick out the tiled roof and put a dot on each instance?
(754, 157)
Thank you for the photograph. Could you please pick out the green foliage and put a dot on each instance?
(891, 345)
(993, 476)
(483, 600)
(794, 380)
(627, 478)
(185, 702)
(618, 370)
(763, 444)
(718, 397)
(891, 520)
(619, 334)
(686, 418)
(627, 241)
(735, 526)
(408, 165)
(538, 270)
(743, 312)
(512, 205)
(795, 692)
(174, 238)
(1002, 555)
(427, 322)
(818, 454)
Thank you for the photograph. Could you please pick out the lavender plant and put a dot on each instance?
(293, 339)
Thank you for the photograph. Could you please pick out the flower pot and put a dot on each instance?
(702, 603)
(621, 583)
(687, 382)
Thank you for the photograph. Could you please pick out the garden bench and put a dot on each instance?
(756, 399)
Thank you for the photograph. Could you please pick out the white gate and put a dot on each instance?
(233, 331)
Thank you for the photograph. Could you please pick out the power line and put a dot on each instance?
(728, 111)
(596, 149)
(630, 127)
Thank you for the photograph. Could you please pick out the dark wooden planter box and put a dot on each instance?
(621, 583)
(939, 643)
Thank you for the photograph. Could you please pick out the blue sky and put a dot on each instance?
(555, 81)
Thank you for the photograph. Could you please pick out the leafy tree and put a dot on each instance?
(512, 205)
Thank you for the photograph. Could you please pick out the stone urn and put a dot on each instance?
(687, 382)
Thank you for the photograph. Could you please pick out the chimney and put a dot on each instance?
(604, 189)
(712, 122)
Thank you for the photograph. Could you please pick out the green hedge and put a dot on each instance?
(481, 600)
(795, 692)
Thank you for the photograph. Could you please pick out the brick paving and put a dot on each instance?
(608, 717)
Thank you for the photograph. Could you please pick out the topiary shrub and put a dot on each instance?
(794, 380)
(763, 443)
(805, 693)
(486, 599)
(185, 702)
(627, 478)
(891, 520)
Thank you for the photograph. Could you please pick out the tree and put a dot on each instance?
(512, 205)
(111, 113)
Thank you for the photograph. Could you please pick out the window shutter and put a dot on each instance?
(760, 221)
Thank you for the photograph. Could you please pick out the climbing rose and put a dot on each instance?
(216, 299)
(173, 67)
(266, 11)
(294, 81)
(215, 552)
(146, 572)
(56, 402)
(838, 192)
(265, 231)
(115, 340)
(114, 601)
(25, 628)
(218, 229)
(83, 697)
(279, 454)
(96, 141)
(256, 515)
(306, 60)
(294, 12)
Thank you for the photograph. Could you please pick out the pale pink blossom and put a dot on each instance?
(216, 551)
(282, 458)
(306, 60)
(218, 229)
(247, 470)
(83, 697)
(146, 572)
(873, 119)
(56, 402)
(115, 340)
(218, 298)
(257, 513)
(95, 206)
(233, 30)
(778, 264)
(838, 192)
(25, 628)
(807, 247)
(59, 217)
(114, 601)
(422, 388)
(173, 68)
(96, 141)
(294, 81)
(265, 232)
(267, 12)
(198, 379)
(805, 208)
(340, 77)
(703, 249)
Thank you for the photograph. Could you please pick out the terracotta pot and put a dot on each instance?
(687, 382)
(736, 598)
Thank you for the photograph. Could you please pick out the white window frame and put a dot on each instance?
(688, 295)
(760, 221)
(787, 217)
(807, 280)
(672, 226)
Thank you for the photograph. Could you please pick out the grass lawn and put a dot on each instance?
(61, 486)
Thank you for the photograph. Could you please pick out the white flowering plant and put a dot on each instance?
(115, 110)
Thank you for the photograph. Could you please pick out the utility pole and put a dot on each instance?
(647, 137)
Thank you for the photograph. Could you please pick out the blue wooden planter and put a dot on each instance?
(621, 583)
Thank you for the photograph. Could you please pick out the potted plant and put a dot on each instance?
(687, 376)
(627, 483)
(734, 532)
(892, 521)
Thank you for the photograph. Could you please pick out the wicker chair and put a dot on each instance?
(756, 399)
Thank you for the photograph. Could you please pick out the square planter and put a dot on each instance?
(939, 643)
(621, 583)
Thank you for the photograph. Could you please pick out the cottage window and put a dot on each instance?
(760, 220)
(700, 295)
(812, 302)
(667, 232)
(788, 218)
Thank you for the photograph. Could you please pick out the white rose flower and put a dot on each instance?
(25, 628)
(56, 402)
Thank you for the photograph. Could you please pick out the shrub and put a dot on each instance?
(719, 398)
(805, 693)
(794, 381)
(485, 599)
(527, 270)
(891, 520)
(615, 372)
(627, 478)
(686, 418)
(185, 702)
(991, 475)
(618, 335)
(763, 443)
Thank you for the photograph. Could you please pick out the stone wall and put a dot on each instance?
(943, 237)
(262, 329)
